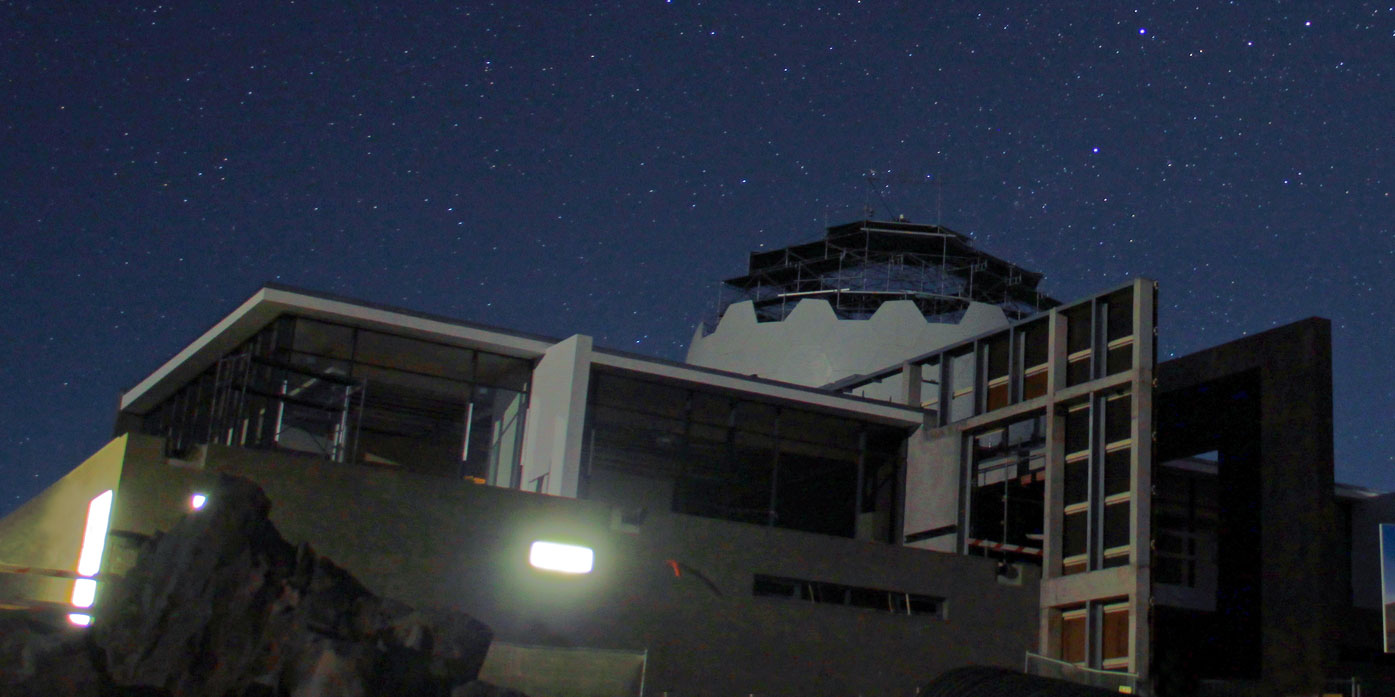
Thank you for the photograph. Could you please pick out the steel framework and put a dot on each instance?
(862, 264)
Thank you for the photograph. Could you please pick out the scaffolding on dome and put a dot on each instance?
(862, 264)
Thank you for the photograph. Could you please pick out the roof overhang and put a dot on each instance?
(770, 390)
(273, 301)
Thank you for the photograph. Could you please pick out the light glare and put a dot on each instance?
(555, 556)
(94, 538)
(84, 592)
(197, 501)
(80, 619)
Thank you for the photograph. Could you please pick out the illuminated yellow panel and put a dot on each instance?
(555, 556)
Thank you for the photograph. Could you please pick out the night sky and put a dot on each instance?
(567, 167)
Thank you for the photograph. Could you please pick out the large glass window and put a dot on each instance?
(352, 394)
(1008, 490)
(670, 447)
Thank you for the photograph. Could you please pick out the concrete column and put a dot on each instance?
(1141, 475)
(1055, 495)
(910, 383)
(553, 435)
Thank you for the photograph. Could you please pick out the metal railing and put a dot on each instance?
(1112, 680)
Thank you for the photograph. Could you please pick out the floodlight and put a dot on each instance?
(565, 558)
(80, 619)
(197, 501)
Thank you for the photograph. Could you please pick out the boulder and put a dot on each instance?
(222, 605)
(40, 657)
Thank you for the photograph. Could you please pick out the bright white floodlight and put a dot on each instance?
(197, 501)
(80, 619)
(555, 556)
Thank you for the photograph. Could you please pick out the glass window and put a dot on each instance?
(503, 371)
(1078, 328)
(1078, 429)
(1035, 343)
(323, 339)
(1073, 635)
(1119, 315)
(1116, 525)
(1119, 358)
(1076, 533)
(1118, 418)
(1117, 473)
(1114, 637)
(412, 355)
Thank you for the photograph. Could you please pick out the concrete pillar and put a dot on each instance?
(553, 434)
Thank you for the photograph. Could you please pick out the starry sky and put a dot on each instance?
(574, 167)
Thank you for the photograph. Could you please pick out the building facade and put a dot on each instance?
(1008, 480)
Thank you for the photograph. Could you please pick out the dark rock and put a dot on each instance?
(40, 657)
(479, 688)
(222, 605)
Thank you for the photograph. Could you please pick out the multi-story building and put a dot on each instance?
(889, 457)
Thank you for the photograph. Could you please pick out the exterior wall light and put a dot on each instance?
(197, 501)
(94, 540)
(563, 558)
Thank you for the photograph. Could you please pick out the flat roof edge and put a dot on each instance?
(272, 300)
(773, 389)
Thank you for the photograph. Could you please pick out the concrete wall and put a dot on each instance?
(433, 541)
(46, 532)
(812, 346)
(934, 466)
(552, 434)
(1300, 597)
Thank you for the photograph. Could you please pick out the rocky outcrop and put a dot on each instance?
(222, 605)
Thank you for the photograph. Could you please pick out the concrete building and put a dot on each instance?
(1008, 480)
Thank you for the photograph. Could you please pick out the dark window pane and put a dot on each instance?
(323, 339)
(711, 409)
(925, 605)
(1118, 419)
(1077, 481)
(1116, 472)
(412, 355)
(997, 349)
(1119, 314)
(1075, 534)
(1034, 385)
(1077, 430)
(1034, 348)
(1078, 371)
(1116, 525)
(1120, 359)
(511, 373)
(869, 598)
(771, 586)
(1078, 328)
(760, 418)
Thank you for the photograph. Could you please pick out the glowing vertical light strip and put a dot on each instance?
(94, 540)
